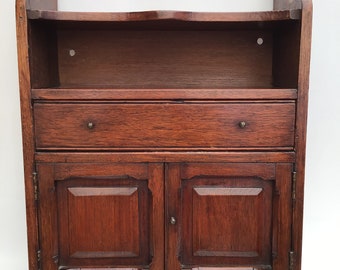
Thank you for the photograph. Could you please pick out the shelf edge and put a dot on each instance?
(276, 15)
(161, 94)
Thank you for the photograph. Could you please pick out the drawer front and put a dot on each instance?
(164, 126)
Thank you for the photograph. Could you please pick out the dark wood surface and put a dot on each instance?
(302, 113)
(137, 119)
(103, 220)
(165, 59)
(43, 56)
(290, 14)
(164, 126)
(205, 188)
(226, 216)
(282, 220)
(166, 156)
(27, 131)
(286, 42)
(154, 95)
(101, 215)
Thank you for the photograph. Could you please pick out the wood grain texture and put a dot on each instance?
(27, 131)
(157, 228)
(97, 215)
(282, 220)
(173, 209)
(166, 156)
(168, 15)
(264, 171)
(226, 228)
(100, 225)
(206, 191)
(165, 59)
(43, 54)
(68, 170)
(164, 125)
(158, 59)
(301, 121)
(286, 43)
(47, 218)
(154, 95)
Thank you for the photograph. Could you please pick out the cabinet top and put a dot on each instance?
(276, 15)
(48, 10)
(53, 4)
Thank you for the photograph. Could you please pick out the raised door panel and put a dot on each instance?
(229, 221)
(228, 216)
(103, 219)
(100, 215)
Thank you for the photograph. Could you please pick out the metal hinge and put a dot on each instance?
(291, 260)
(293, 187)
(35, 184)
(38, 258)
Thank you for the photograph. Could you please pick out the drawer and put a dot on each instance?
(164, 126)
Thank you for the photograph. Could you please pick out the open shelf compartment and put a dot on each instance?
(164, 54)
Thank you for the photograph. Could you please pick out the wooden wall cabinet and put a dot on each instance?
(164, 140)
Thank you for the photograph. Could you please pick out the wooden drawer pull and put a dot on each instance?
(90, 125)
(242, 124)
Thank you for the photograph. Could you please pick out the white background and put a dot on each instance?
(322, 191)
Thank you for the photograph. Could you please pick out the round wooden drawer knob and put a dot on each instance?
(242, 124)
(90, 125)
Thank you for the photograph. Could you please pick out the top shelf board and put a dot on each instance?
(275, 15)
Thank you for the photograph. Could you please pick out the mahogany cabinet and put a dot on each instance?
(164, 140)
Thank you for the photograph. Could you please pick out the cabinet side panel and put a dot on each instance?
(43, 54)
(286, 55)
(27, 131)
(301, 124)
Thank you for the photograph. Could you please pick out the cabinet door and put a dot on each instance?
(228, 216)
(101, 215)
